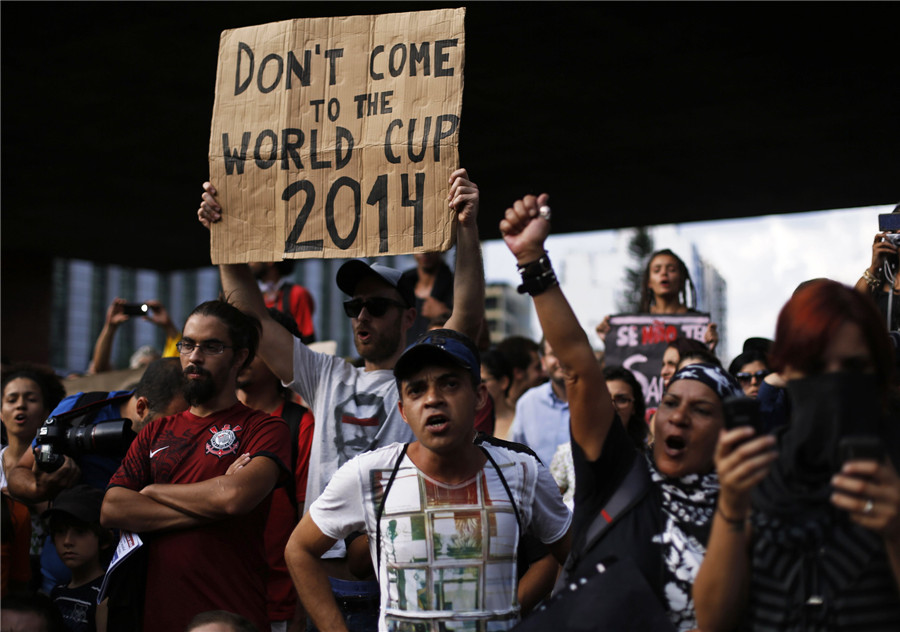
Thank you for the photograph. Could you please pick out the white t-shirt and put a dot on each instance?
(448, 552)
(355, 410)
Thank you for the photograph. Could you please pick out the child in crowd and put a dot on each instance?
(84, 547)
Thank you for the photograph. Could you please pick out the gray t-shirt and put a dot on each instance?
(355, 411)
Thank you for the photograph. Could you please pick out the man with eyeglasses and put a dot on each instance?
(356, 409)
(198, 484)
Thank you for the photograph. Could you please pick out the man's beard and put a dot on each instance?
(384, 347)
(199, 391)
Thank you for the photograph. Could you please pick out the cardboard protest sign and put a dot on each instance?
(336, 137)
(638, 341)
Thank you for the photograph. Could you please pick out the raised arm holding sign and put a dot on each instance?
(334, 137)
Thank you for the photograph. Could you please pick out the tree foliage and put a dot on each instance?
(640, 246)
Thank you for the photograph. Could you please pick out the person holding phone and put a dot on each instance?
(880, 279)
(119, 312)
(807, 528)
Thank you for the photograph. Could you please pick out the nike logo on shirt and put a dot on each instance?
(157, 450)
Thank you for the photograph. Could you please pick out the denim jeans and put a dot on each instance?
(359, 602)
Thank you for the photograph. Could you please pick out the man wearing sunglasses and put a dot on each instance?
(356, 408)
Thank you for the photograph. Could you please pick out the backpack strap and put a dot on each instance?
(380, 511)
(293, 413)
(506, 487)
(88, 405)
(630, 491)
(285, 290)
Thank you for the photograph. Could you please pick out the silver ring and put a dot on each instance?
(867, 508)
(545, 212)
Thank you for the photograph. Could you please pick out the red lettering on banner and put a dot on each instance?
(658, 332)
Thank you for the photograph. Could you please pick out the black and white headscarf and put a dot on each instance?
(718, 379)
(689, 504)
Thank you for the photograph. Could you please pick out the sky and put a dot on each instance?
(762, 260)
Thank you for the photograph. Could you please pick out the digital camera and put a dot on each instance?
(58, 437)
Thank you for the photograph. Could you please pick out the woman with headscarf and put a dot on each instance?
(807, 528)
(641, 521)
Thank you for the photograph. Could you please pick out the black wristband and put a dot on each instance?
(537, 276)
(535, 268)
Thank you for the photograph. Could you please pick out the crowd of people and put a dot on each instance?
(441, 482)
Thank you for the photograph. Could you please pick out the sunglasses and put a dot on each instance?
(376, 306)
(746, 378)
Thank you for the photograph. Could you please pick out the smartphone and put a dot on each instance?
(861, 447)
(741, 410)
(889, 221)
(135, 309)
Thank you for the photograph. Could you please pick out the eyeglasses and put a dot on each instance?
(376, 306)
(622, 400)
(746, 378)
(209, 347)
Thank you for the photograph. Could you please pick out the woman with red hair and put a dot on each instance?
(807, 528)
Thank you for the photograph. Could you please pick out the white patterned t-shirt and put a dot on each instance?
(448, 552)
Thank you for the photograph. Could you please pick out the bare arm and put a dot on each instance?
(223, 496)
(302, 554)
(537, 582)
(590, 405)
(115, 316)
(721, 588)
(468, 279)
(30, 484)
(276, 345)
(125, 508)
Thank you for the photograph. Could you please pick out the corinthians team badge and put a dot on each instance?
(223, 441)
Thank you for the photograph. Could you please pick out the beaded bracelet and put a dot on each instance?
(871, 280)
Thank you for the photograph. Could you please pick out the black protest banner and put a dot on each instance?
(638, 341)
(336, 137)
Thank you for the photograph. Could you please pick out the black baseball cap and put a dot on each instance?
(81, 502)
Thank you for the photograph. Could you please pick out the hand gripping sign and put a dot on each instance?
(336, 137)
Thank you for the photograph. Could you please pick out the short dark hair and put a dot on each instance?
(285, 267)
(36, 603)
(636, 427)
(52, 390)
(517, 350)
(686, 347)
(105, 537)
(236, 621)
(243, 329)
(703, 355)
(497, 365)
(162, 381)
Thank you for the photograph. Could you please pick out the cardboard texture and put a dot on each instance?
(336, 137)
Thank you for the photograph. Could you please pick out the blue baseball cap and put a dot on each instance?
(439, 346)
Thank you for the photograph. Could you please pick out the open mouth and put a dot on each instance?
(437, 423)
(675, 445)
